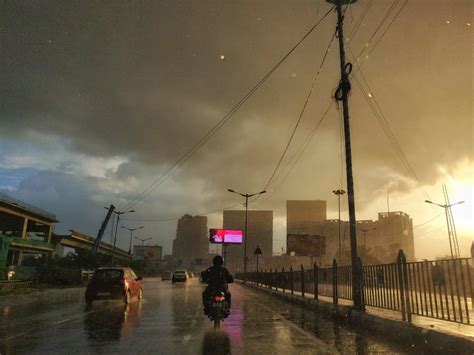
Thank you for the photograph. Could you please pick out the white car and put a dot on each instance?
(180, 276)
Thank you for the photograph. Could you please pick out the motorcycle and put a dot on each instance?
(218, 308)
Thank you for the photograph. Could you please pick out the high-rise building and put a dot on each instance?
(259, 232)
(301, 214)
(191, 241)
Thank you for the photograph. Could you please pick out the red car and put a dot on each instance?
(114, 283)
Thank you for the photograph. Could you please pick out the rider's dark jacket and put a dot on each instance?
(217, 277)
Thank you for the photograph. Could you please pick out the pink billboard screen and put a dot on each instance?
(225, 236)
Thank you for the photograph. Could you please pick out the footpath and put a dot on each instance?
(436, 335)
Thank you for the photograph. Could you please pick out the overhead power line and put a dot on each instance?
(383, 122)
(196, 146)
(303, 109)
(176, 219)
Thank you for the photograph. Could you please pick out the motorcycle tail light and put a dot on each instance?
(217, 298)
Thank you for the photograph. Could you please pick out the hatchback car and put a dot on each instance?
(180, 276)
(114, 283)
(166, 275)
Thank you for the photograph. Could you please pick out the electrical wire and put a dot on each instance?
(194, 148)
(303, 109)
(301, 151)
(356, 26)
(431, 220)
(176, 219)
(386, 16)
(381, 119)
(361, 64)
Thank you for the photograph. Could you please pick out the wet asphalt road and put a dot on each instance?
(169, 320)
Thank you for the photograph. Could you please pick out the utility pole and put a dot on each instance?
(452, 237)
(341, 94)
(339, 193)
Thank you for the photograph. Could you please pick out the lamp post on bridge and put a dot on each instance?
(130, 246)
(118, 213)
(245, 231)
(339, 193)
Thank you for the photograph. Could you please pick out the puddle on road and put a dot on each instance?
(336, 333)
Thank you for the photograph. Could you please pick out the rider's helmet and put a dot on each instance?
(218, 260)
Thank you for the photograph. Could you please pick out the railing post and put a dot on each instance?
(401, 268)
(264, 278)
(292, 281)
(302, 280)
(270, 281)
(277, 275)
(316, 280)
(283, 282)
(362, 282)
(334, 283)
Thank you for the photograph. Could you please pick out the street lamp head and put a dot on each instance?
(131, 211)
(230, 190)
(428, 201)
(263, 192)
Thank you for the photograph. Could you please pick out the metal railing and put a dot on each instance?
(441, 289)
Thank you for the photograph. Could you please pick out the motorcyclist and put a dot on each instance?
(217, 277)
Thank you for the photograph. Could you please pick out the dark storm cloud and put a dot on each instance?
(145, 82)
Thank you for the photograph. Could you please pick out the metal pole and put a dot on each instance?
(257, 262)
(339, 226)
(245, 237)
(449, 231)
(341, 94)
(115, 238)
(130, 249)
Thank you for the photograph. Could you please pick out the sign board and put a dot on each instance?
(306, 245)
(225, 236)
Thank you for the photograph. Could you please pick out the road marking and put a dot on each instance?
(186, 338)
(14, 336)
(51, 325)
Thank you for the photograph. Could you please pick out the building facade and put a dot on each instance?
(302, 214)
(192, 240)
(378, 241)
(259, 233)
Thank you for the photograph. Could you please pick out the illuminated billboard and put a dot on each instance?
(306, 245)
(225, 236)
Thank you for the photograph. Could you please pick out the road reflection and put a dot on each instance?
(110, 321)
(216, 342)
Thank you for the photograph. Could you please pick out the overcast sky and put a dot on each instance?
(99, 99)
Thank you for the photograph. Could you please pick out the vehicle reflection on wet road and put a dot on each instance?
(169, 320)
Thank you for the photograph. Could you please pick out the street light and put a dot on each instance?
(130, 246)
(245, 231)
(143, 240)
(365, 231)
(118, 213)
(339, 193)
(446, 208)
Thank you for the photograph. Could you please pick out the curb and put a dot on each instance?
(422, 339)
